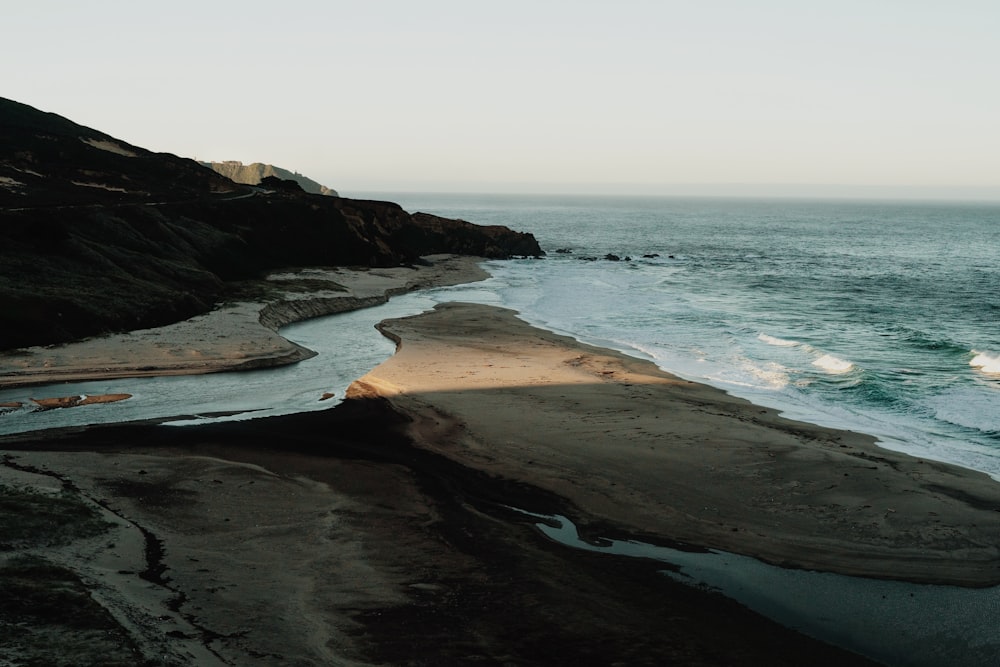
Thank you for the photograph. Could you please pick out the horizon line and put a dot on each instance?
(970, 194)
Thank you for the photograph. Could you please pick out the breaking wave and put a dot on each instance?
(833, 365)
(778, 342)
(986, 363)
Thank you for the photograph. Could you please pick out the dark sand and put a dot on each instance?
(637, 448)
(329, 539)
(379, 532)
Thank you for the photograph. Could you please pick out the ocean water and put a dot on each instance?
(879, 317)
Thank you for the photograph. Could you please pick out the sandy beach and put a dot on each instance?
(240, 334)
(380, 532)
(633, 447)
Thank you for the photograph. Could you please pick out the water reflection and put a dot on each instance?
(348, 345)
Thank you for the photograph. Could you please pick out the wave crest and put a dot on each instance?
(833, 365)
(986, 362)
(778, 342)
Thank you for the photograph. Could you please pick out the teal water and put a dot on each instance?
(882, 317)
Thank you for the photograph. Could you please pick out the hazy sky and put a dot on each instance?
(602, 96)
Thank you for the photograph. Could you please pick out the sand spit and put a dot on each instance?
(636, 448)
(379, 532)
(237, 335)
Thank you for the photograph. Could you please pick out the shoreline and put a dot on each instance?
(807, 509)
(377, 529)
(490, 391)
(239, 335)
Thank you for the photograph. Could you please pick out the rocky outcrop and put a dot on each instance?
(154, 238)
(255, 173)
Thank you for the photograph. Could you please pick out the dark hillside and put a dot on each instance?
(48, 160)
(97, 235)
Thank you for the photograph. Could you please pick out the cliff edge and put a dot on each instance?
(99, 236)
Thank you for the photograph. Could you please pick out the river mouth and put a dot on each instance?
(895, 622)
(347, 346)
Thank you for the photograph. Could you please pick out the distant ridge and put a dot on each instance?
(253, 174)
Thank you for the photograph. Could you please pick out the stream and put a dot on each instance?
(894, 622)
(348, 346)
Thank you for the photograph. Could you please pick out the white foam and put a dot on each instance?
(779, 342)
(772, 375)
(833, 365)
(986, 362)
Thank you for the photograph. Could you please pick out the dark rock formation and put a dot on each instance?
(275, 183)
(97, 235)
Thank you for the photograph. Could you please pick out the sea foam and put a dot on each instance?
(833, 365)
(986, 363)
(778, 342)
(771, 375)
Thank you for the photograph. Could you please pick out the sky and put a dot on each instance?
(880, 97)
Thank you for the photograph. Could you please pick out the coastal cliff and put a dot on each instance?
(254, 173)
(98, 235)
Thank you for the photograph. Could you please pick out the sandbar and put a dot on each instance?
(380, 531)
(636, 448)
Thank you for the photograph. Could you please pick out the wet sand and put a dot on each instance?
(379, 532)
(329, 539)
(238, 335)
(638, 449)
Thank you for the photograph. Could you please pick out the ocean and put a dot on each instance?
(875, 316)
